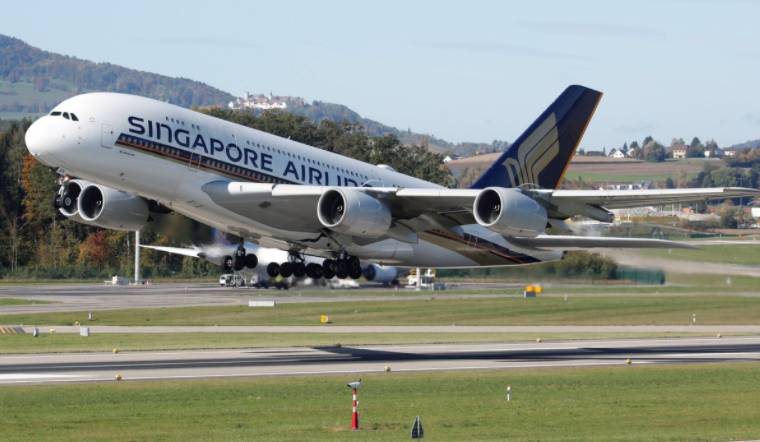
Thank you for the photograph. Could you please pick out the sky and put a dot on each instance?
(461, 70)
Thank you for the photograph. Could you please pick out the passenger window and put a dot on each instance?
(66, 115)
(74, 117)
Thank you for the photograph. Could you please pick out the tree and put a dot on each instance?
(655, 152)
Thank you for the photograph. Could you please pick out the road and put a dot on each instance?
(83, 367)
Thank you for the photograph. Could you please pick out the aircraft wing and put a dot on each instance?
(293, 207)
(619, 199)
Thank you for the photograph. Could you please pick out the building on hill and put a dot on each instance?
(450, 157)
(616, 153)
(678, 152)
(264, 102)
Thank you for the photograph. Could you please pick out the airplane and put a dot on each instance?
(125, 157)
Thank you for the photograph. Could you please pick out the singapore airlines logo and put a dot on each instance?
(533, 155)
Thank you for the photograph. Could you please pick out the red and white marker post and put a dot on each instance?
(354, 411)
(354, 386)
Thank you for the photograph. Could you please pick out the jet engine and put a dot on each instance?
(509, 212)
(382, 274)
(354, 213)
(68, 195)
(112, 209)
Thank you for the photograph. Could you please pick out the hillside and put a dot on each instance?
(33, 80)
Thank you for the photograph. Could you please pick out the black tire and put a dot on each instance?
(286, 269)
(251, 261)
(355, 273)
(341, 270)
(227, 263)
(314, 271)
(299, 269)
(328, 273)
(273, 269)
(353, 262)
(239, 263)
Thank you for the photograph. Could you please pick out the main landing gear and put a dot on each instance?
(343, 267)
(240, 261)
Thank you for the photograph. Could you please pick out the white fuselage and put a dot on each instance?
(167, 153)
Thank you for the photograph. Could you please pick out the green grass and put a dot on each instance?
(577, 310)
(704, 402)
(743, 254)
(99, 342)
(602, 177)
(17, 301)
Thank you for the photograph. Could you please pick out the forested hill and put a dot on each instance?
(33, 81)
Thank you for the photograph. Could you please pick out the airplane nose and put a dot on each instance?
(38, 141)
(33, 138)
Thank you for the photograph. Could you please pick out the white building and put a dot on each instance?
(616, 153)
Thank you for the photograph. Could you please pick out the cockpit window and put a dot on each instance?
(74, 117)
(54, 113)
(66, 115)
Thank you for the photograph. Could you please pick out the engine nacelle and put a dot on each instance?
(67, 198)
(509, 212)
(378, 273)
(353, 213)
(112, 209)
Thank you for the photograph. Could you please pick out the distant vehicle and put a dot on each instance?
(232, 280)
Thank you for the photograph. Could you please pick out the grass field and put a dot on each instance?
(694, 402)
(577, 310)
(16, 301)
(718, 253)
(105, 342)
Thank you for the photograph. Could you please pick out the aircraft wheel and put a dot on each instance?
(273, 269)
(341, 269)
(314, 271)
(328, 272)
(286, 269)
(251, 261)
(355, 272)
(239, 263)
(299, 269)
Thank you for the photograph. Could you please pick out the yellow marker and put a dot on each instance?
(538, 340)
(324, 319)
(115, 350)
(387, 368)
(118, 377)
(628, 361)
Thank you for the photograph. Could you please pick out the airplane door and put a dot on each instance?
(107, 136)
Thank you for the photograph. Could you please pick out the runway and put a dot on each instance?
(166, 365)
(95, 297)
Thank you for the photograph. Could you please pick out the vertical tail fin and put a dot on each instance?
(540, 156)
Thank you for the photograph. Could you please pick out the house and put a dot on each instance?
(616, 153)
(729, 153)
(451, 157)
(678, 152)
